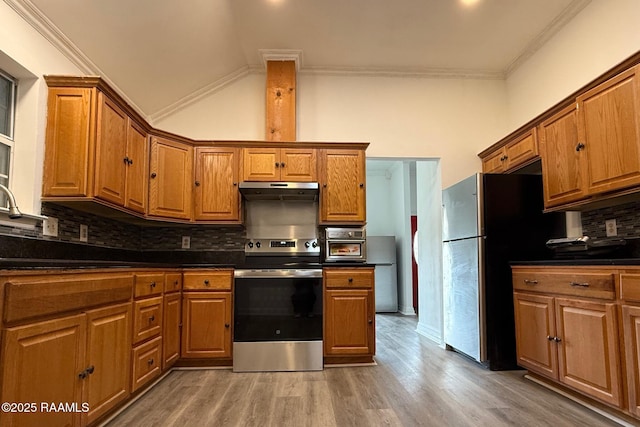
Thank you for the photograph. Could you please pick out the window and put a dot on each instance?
(8, 87)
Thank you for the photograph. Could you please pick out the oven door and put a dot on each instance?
(277, 320)
(346, 250)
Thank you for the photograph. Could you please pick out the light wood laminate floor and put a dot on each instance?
(415, 383)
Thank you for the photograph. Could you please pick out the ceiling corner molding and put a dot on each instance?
(556, 25)
(199, 94)
(34, 17)
(282, 55)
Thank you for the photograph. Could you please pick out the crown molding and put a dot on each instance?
(199, 94)
(550, 30)
(43, 25)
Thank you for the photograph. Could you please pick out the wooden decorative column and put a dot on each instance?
(281, 101)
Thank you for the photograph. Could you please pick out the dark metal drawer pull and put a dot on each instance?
(581, 285)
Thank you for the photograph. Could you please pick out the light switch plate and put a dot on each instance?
(611, 227)
(84, 233)
(186, 242)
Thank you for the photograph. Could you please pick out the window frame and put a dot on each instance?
(9, 140)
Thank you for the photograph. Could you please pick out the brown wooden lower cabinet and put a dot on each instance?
(76, 359)
(206, 325)
(569, 335)
(349, 312)
(147, 363)
(171, 330)
(631, 327)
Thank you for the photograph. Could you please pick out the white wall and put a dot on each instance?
(26, 55)
(602, 35)
(380, 212)
(452, 119)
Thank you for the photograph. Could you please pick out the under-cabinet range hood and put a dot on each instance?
(279, 190)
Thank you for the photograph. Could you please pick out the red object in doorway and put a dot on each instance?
(414, 265)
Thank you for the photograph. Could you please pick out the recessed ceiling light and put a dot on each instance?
(469, 3)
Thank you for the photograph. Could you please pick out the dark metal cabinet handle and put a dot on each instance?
(282, 165)
(235, 184)
(175, 283)
(580, 146)
(150, 362)
(324, 185)
(152, 284)
(277, 164)
(226, 325)
(550, 338)
(152, 318)
(530, 282)
(350, 279)
(206, 283)
(197, 183)
(82, 375)
(557, 339)
(370, 321)
(126, 160)
(362, 185)
(579, 285)
(130, 161)
(90, 369)
(153, 175)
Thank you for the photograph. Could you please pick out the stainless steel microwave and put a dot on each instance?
(345, 244)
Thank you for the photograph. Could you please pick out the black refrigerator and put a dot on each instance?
(490, 220)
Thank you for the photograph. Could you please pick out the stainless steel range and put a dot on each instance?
(278, 292)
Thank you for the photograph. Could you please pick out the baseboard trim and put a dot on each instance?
(579, 401)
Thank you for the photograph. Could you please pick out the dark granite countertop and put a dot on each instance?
(72, 264)
(581, 262)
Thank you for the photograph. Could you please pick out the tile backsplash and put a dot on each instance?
(627, 218)
(108, 233)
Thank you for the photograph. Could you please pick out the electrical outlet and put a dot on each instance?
(84, 233)
(50, 227)
(186, 242)
(611, 227)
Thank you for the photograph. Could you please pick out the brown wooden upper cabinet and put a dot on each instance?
(609, 133)
(342, 186)
(515, 153)
(170, 179)
(122, 157)
(216, 184)
(279, 164)
(562, 163)
(81, 122)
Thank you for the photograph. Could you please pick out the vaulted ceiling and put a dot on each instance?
(161, 52)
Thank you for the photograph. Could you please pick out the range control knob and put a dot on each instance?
(258, 245)
(314, 244)
(307, 244)
(250, 244)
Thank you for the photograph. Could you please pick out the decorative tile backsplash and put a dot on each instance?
(627, 218)
(108, 233)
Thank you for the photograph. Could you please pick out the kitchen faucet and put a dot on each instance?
(14, 212)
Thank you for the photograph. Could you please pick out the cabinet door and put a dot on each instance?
(216, 184)
(70, 137)
(171, 330)
(170, 179)
(535, 330)
(109, 357)
(298, 165)
(261, 164)
(588, 348)
(609, 128)
(342, 193)
(563, 164)
(494, 163)
(349, 322)
(137, 168)
(111, 145)
(631, 326)
(522, 150)
(41, 363)
(206, 324)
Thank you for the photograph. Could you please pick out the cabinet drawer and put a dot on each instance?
(172, 282)
(209, 280)
(148, 284)
(630, 287)
(348, 278)
(583, 284)
(147, 320)
(147, 362)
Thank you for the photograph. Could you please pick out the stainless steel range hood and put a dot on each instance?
(279, 190)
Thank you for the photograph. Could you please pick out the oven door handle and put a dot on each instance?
(277, 273)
